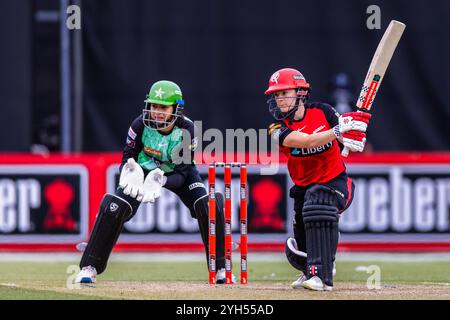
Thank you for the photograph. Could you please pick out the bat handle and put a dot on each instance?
(345, 152)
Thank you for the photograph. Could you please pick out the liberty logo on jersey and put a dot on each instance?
(304, 152)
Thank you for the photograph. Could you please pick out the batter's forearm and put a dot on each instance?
(302, 140)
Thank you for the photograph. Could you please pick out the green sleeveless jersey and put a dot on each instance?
(158, 150)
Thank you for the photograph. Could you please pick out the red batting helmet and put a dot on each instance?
(285, 79)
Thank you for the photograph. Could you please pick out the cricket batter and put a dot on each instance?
(308, 134)
(153, 143)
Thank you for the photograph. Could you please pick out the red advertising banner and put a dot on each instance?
(48, 203)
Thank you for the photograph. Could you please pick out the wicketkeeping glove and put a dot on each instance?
(153, 184)
(131, 178)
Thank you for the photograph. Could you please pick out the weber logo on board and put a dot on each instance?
(399, 199)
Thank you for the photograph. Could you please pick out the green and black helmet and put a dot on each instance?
(163, 93)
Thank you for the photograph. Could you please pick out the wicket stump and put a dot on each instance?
(227, 215)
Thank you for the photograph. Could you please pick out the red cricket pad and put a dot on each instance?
(359, 116)
(354, 135)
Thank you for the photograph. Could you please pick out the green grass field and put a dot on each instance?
(188, 280)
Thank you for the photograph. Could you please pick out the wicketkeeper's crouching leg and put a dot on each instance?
(115, 210)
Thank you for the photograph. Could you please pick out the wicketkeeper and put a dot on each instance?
(153, 144)
(308, 134)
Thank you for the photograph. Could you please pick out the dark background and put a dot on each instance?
(222, 54)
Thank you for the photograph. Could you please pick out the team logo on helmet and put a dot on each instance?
(274, 77)
(159, 93)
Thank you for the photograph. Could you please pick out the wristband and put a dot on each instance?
(336, 131)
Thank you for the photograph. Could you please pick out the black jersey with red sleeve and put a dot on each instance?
(310, 165)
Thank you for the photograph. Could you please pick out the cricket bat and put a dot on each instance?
(378, 66)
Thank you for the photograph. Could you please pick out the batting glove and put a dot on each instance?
(352, 121)
(354, 141)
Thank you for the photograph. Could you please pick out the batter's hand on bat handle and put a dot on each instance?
(359, 116)
(354, 121)
(354, 141)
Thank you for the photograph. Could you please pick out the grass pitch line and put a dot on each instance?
(200, 257)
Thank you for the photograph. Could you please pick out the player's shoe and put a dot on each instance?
(87, 275)
(221, 277)
(316, 284)
(297, 284)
